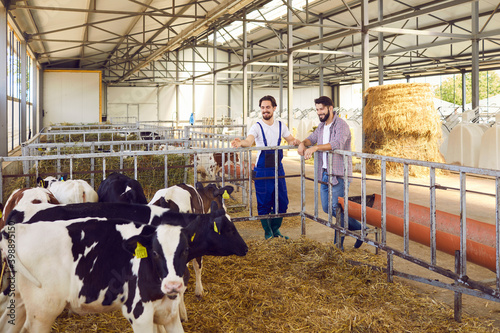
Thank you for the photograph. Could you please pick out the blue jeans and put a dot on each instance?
(337, 191)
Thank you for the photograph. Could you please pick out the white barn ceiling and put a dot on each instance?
(138, 40)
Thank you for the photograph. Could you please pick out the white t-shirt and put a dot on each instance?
(326, 139)
(271, 133)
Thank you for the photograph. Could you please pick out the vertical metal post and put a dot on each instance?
(497, 224)
(250, 176)
(103, 168)
(177, 87)
(316, 177)
(92, 165)
(23, 126)
(363, 197)
(4, 139)
(432, 207)
(276, 197)
(458, 296)
(290, 62)
(475, 56)
(303, 196)
(365, 54)
(383, 204)
(406, 195)
(245, 68)
(135, 167)
(380, 44)
(165, 170)
(346, 191)
(214, 71)
(329, 157)
(390, 267)
(463, 225)
(321, 69)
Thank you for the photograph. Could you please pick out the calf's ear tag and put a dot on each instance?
(192, 237)
(216, 229)
(0, 214)
(225, 195)
(140, 251)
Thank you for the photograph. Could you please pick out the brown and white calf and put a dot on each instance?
(69, 191)
(209, 165)
(26, 199)
(187, 199)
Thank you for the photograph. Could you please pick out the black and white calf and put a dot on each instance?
(118, 187)
(92, 266)
(215, 235)
(186, 199)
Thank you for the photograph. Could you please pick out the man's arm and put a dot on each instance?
(308, 153)
(236, 143)
(292, 141)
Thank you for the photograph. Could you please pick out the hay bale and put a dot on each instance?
(400, 120)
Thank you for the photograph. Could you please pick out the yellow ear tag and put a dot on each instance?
(225, 195)
(140, 251)
(192, 237)
(215, 228)
(0, 214)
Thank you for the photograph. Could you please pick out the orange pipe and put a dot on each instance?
(477, 231)
(477, 253)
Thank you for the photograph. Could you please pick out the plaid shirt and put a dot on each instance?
(340, 138)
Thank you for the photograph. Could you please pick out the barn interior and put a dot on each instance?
(93, 87)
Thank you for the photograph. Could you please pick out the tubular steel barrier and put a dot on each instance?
(238, 172)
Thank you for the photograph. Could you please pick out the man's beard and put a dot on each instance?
(325, 118)
(267, 116)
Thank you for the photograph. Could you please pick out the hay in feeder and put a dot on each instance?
(400, 120)
(151, 172)
(300, 285)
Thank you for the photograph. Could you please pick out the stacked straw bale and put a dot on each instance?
(400, 120)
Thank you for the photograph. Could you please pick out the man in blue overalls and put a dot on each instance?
(265, 133)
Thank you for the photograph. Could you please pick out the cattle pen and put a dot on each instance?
(100, 153)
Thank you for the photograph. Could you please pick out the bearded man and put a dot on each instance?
(332, 133)
(265, 133)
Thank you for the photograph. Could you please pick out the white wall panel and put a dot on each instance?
(130, 104)
(71, 97)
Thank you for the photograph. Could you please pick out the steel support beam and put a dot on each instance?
(290, 63)
(23, 124)
(380, 44)
(4, 139)
(475, 56)
(365, 55)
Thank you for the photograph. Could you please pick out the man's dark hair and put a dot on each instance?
(325, 100)
(268, 98)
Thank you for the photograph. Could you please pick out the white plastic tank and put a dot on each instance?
(356, 135)
(464, 143)
(443, 144)
(489, 153)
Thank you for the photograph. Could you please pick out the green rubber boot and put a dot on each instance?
(275, 226)
(268, 232)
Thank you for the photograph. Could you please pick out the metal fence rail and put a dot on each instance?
(241, 176)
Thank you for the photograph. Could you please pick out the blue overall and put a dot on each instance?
(264, 188)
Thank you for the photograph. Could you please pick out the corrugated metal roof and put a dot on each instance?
(124, 38)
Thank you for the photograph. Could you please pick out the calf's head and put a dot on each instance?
(211, 193)
(217, 236)
(166, 250)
